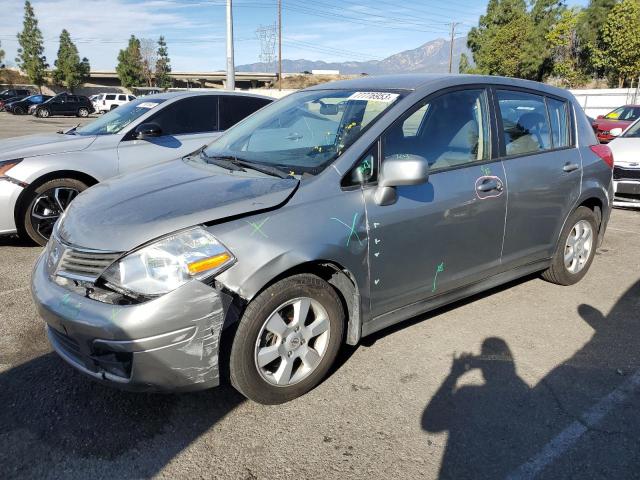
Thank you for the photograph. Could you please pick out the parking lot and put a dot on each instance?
(553, 391)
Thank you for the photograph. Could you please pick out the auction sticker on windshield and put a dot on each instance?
(148, 104)
(374, 96)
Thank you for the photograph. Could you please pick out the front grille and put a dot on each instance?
(620, 173)
(84, 265)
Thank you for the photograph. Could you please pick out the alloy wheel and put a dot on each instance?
(48, 207)
(292, 342)
(577, 250)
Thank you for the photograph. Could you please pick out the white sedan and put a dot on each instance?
(626, 170)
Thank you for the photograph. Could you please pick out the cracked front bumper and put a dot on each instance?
(169, 343)
(9, 193)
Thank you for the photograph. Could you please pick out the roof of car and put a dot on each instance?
(416, 81)
(191, 93)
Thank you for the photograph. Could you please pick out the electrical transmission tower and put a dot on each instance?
(267, 36)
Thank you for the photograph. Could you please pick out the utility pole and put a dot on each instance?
(231, 69)
(453, 34)
(279, 44)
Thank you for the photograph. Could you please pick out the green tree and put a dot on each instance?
(563, 40)
(464, 66)
(538, 58)
(163, 65)
(70, 71)
(617, 52)
(589, 25)
(129, 68)
(31, 59)
(499, 41)
(1, 56)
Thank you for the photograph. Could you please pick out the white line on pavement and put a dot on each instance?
(570, 435)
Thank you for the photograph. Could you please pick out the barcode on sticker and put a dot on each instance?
(374, 96)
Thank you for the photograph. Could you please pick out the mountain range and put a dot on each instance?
(431, 57)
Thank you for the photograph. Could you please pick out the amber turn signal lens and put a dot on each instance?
(6, 166)
(208, 263)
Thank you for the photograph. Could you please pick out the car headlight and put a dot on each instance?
(7, 165)
(168, 263)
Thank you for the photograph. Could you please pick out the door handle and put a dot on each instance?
(489, 184)
(570, 167)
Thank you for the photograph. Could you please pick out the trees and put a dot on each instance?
(70, 71)
(538, 58)
(1, 56)
(130, 68)
(563, 40)
(464, 66)
(149, 57)
(163, 65)
(31, 59)
(617, 51)
(498, 42)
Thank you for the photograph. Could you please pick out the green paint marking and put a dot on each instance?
(435, 278)
(257, 227)
(486, 171)
(352, 228)
(114, 313)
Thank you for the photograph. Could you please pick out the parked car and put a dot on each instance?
(108, 101)
(21, 107)
(626, 170)
(41, 174)
(619, 118)
(4, 103)
(14, 92)
(335, 212)
(64, 104)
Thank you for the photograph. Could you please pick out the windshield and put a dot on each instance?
(115, 120)
(305, 131)
(624, 113)
(633, 131)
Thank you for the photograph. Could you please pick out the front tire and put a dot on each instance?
(83, 112)
(44, 206)
(43, 113)
(287, 340)
(576, 248)
(18, 111)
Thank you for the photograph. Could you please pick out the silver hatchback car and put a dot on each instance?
(331, 214)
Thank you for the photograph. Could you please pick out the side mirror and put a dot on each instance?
(145, 131)
(399, 170)
(615, 132)
(600, 117)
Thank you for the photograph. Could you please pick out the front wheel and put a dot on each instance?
(45, 205)
(576, 248)
(83, 112)
(18, 111)
(287, 340)
(43, 113)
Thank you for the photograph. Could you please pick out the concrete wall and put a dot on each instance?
(602, 100)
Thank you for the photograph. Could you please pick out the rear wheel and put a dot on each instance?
(287, 340)
(43, 112)
(576, 248)
(18, 111)
(45, 205)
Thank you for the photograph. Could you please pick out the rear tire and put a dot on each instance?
(576, 248)
(18, 111)
(44, 205)
(43, 113)
(298, 343)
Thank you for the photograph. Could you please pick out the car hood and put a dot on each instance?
(626, 152)
(34, 145)
(125, 212)
(604, 124)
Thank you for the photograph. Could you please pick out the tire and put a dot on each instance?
(83, 112)
(29, 228)
(258, 384)
(18, 111)
(559, 273)
(43, 112)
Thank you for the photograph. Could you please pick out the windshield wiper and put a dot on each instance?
(262, 168)
(70, 131)
(224, 162)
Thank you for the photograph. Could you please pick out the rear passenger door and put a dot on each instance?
(446, 233)
(543, 172)
(187, 124)
(234, 108)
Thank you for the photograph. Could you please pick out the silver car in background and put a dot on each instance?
(41, 174)
(626, 170)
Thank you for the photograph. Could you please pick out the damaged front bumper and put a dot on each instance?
(170, 343)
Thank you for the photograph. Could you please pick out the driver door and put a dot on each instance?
(187, 124)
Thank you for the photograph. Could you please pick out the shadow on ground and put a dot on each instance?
(495, 428)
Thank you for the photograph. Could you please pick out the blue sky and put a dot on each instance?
(330, 30)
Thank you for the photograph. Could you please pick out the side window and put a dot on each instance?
(122, 98)
(451, 129)
(558, 114)
(72, 99)
(131, 97)
(189, 115)
(365, 171)
(110, 97)
(236, 108)
(524, 122)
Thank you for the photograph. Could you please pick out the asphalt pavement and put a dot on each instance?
(549, 389)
